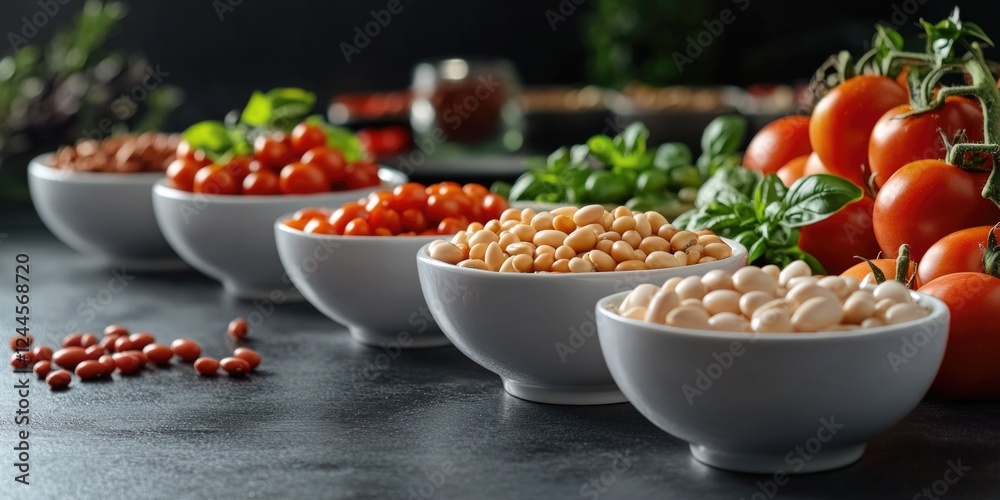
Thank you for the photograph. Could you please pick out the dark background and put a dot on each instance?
(262, 44)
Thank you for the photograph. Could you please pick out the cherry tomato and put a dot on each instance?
(308, 214)
(969, 369)
(862, 271)
(306, 136)
(414, 220)
(362, 175)
(441, 187)
(296, 224)
(346, 214)
(493, 206)
(181, 172)
(319, 225)
(263, 182)
(896, 141)
(239, 168)
(961, 251)
(384, 141)
(777, 144)
(273, 151)
(843, 120)
(476, 192)
(927, 200)
(357, 227)
(328, 159)
(793, 170)
(299, 178)
(451, 225)
(450, 203)
(381, 217)
(186, 152)
(214, 179)
(837, 239)
(378, 199)
(409, 195)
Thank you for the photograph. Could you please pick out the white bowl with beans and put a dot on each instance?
(231, 238)
(537, 330)
(800, 394)
(367, 283)
(107, 215)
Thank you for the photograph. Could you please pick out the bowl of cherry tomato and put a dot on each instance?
(357, 265)
(218, 215)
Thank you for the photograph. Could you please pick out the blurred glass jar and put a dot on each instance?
(466, 105)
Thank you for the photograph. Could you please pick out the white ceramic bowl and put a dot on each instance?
(368, 283)
(770, 403)
(106, 215)
(231, 238)
(538, 331)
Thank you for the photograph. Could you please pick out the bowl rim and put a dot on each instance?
(426, 239)
(939, 312)
(386, 174)
(738, 251)
(41, 167)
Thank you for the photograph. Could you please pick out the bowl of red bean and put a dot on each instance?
(517, 296)
(356, 263)
(96, 196)
(768, 370)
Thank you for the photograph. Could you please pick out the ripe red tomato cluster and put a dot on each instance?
(298, 163)
(408, 210)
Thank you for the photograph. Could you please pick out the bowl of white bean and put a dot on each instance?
(367, 283)
(530, 318)
(773, 372)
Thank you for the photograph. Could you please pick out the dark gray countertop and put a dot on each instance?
(325, 417)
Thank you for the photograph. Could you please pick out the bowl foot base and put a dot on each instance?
(583, 395)
(276, 295)
(376, 338)
(767, 463)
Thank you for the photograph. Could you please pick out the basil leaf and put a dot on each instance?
(816, 197)
(632, 140)
(756, 250)
(558, 159)
(603, 148)
(769, 190)
(209, 136)
(736, 183)
(258, 111)
(671, 155)
(339, 138)
(578, 156)
(722, 136)
(290, 105)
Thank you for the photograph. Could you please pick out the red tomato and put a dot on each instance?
(451, 225)
(239, 168)
(346, 214)
(442, 187)
(777, 144)
(861, 271)
(476, 191)
(387, 218)
(842, 122)
(970, 368)
(308, 214)
(362, 175)
(306, 136)
(214, 179)
(897, 141)
(385, 141)
(186, 152)
(493, 206)
(181, 172)
(414, 220)
(296, 224)
(262, 182)
(449, 203)
(409, 195)
(273, 151)
(329, 160)
(837, 239)
(319, 225)
(793, 170)
(961, 251)
(927, 200)
(357, 227)
(299, 178)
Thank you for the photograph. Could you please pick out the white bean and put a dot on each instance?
(795, 269)
(817, 313)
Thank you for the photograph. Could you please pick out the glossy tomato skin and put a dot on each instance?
(306, 136)
(299, 178)
(927, 200)
(961, 251)
(970, 369)
(778, 143)
(793, 170)
(843, 120)
(837, 239)
(362, 175)
(261, 182)
(214, 179)
(330, 160)
(181, 172)
(897, 141)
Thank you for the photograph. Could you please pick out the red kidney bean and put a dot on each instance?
(94, 352)
(235, 366)
(87, 340)
(21, 360)
(42, 368)
(108, 343)
(249, 355)
(69, 357)
(157, 353)
(89, 369)
(206, 366)
(139, 355)
(126, 363)
(186, 349)
(42, 352)
(19, 341)
(58, 379)
(72, 340)
(238, 328)
(115, 331)
(141, 339)
(124, 344)
(108, 363)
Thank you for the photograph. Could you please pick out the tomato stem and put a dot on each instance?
(991, 256)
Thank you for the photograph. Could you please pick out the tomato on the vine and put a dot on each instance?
(299, 178)
(306, 136)
(961, 251)
(969, 368)
(898, 140)
(777, 144)
(843, 120)
(925, 201)
(862, 271)
(835, 241)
